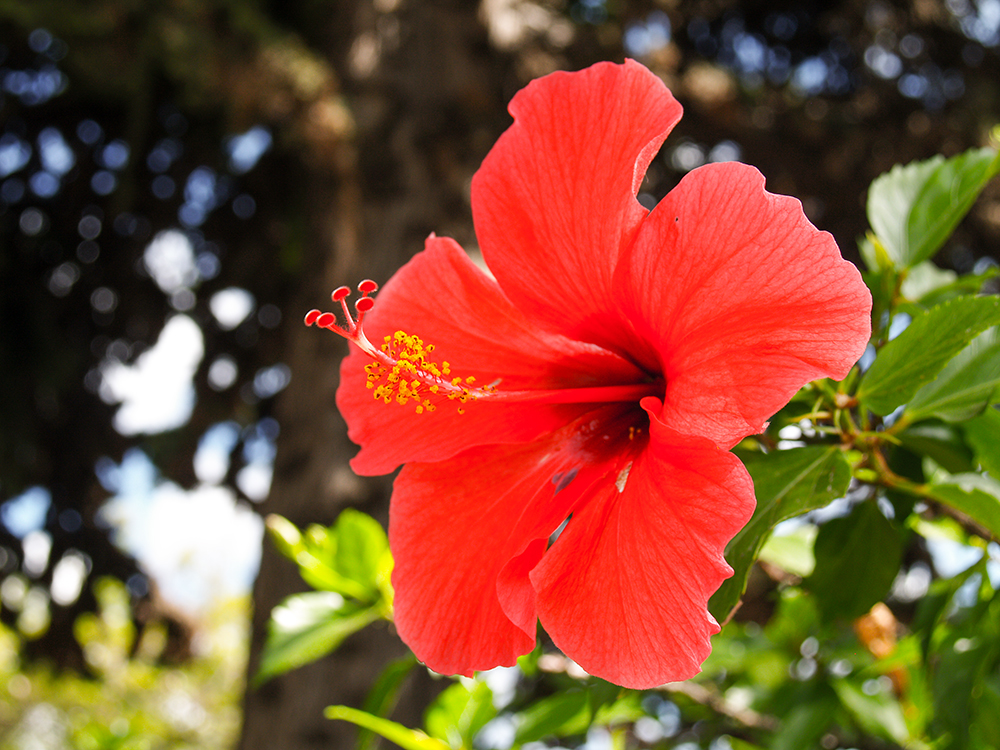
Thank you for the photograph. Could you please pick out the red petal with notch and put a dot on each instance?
(625, 588)
(741, 299)
(441, 296)
(453, 527)
(554, 201)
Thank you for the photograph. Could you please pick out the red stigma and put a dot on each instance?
(352, 328)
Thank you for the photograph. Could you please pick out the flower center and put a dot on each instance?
(402, 370)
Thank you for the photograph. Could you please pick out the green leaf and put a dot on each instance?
(857, 559)
(625, 710)
(320, 576)
(965, 386)
(938, 441)
(878, 714)
(361, 542)
(382, 697)
(956, 675)
(806, 722)
(920, 352)
(925, 278)
(792, 552)
(351, 557)
(873, 253)
(458, 713)
(787, 484)
(986, 725)
(983, 435)
(406, 738)
(560, 715)
(975, 495)
(307, 626)
(962, 286)
(914, 208)
(285, 535)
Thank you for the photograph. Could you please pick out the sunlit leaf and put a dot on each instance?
(964, 285)
(626, 710)
(965, 385)
(914, 208)
(321, 576)
(879, 714)
(285, 535)
(925, 278)
(983, 435)
(458, 713)
(381, 699)
(306, 627)
(873, 254)
(792, 552)
(975, 495)
(737, 744)
(406, 738)
(361, 542)
(920, 352)
(321, 541)
(350, 558)
(857, 559)
(560, 715)
(787, 484)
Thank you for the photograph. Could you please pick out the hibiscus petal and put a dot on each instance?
(453, 527)
(554, 201)
(441, 296)
(741, 299)
(624, 590)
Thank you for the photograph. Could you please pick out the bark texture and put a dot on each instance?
(418, 81)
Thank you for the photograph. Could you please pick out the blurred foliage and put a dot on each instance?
(93, 174)
(350, 565)
(128, 696)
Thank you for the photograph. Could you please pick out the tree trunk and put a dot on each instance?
(422, 91)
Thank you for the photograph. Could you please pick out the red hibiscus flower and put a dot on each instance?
(601, 376)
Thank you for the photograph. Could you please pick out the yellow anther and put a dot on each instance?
(406, 368)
